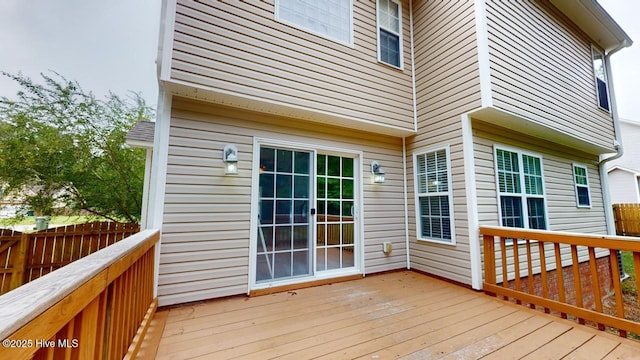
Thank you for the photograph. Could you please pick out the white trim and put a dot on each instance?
(399, 34)
(576, 185)
(406, 201)
(358, 229)
(449, 194)
(523, 194)
(472, 203)
(148, 165)
(167, 30)
(605, 65)
(311, 31)
(159, 174)
(484, 64)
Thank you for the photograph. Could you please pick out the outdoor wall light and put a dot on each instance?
(378, 173)
(230, 158)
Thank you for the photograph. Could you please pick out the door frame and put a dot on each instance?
(358, 213)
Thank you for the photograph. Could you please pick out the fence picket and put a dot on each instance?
(27, 256)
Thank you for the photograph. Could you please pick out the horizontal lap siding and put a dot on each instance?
(447, 86)
(563, 214)
(562, 211)
(541, 69)
(206, 226)
(239, 47)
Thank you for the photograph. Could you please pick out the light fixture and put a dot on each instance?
(230, 158)
(378, 173)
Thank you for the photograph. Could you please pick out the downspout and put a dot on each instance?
(404, 139)
(604, 176)
(406, 206)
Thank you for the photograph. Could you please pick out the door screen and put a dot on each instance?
(284, 230)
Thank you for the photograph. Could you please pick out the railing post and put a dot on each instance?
(489, 261)
(20, 262)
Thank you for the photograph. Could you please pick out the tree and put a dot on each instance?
(61, 149)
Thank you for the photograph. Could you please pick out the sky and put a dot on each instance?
(112, 46)
(104, 45)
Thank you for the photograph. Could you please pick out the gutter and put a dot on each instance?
(606, 197)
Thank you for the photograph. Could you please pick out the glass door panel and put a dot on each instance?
(335, 230)
(283, 249)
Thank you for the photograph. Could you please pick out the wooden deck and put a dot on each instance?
(397, 315)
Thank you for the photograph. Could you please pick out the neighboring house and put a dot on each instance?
(624, 172)
(300, 141)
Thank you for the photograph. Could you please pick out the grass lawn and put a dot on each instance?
(629, 285)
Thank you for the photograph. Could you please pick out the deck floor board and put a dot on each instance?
(403, 315)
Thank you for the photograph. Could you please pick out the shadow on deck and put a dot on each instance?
(395, 315)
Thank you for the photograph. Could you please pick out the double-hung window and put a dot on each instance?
(389, 32)
(581, 181)
(328, 18)
(434, 204)
(520, 184)
(600, 72)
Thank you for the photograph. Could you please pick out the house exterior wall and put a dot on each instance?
(623, 187)
(541, 70)
(206, 224)
(238, 54)
(563, 214)
(447, 86)
(630, 132)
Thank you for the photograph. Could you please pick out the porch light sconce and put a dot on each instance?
(230, 158)
(378, 173)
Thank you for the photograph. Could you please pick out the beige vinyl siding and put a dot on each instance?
(563, 213)
(206, 225)
(239, 48)
(447, 86)
(541, 69)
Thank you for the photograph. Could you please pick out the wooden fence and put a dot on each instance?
(25, 257)
(627, 218)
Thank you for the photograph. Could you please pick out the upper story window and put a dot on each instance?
(581, 181)
(434, 202)
(520, 189)
(389, 32)
(600, 72)
(329, 18)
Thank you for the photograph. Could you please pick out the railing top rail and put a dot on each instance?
(20, 306)
(626, 243)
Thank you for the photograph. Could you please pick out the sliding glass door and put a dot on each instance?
(306, 214)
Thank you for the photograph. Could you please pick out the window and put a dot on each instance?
(434, 211)
(389, 30)
(600, 72)
(581, 181)
(520, 189)
(329, 18)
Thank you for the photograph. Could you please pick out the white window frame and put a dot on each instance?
(523, 194)
(595, 51)
(312, 31)
(448, 193)
(399, 34)
(576, 185)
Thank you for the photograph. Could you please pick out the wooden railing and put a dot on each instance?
(98, 307)
(572, 268)
(25, 257)
(627, 217)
